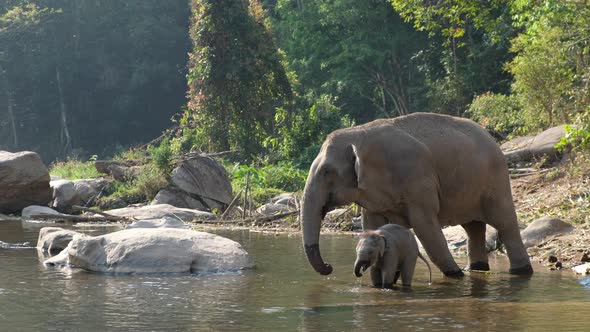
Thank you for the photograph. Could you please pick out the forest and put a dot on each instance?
(269, 79)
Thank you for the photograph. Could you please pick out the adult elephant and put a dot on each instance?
(423, 171)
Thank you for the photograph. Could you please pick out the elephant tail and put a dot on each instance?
(429, 269)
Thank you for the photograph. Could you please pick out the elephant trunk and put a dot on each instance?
(364, 264)
(312, 212)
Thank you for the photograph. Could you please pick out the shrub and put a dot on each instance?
(267, 181)
(499, 113)
(142, 188)
(162, 156)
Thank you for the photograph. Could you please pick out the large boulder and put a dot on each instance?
(89, 189)
(205, 179)
(178, 198)
(543, 228)
(32, 210)
(54, 239)
(64, 195)
(534, 147)
(159, 211)
(24, 181)
(457, 238)
(162, 250)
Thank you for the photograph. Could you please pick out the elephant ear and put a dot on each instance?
(354, 157)
(382, 246)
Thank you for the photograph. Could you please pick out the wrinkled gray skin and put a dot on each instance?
(423, 171)
(390, 252)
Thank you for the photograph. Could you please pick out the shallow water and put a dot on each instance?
(282, 293)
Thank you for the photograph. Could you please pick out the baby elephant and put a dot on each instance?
(390, 251)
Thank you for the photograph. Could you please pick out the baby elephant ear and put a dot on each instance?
(382, 245)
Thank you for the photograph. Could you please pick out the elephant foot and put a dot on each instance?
(523, 270)
(454, 274)
(397, 274)
(479, 266)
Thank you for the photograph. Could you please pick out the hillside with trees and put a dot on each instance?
(268, 80)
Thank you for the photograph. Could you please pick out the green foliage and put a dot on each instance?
(143, 188)
(552, 66)
(301, 138)
(89, 75)
(74, 170)
(236, 77)
(543, 77)
(284, 177)
(162, 156)
(359, 52)
(499, 113)
(577, 136)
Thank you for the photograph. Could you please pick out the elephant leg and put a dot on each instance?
(428, 230)
(476, 245)
(407, 270)
(397, 275)
(502, 216)
(389, 268)
(376, 276)
(372, 221)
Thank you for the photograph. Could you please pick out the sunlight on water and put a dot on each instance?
(281, 293)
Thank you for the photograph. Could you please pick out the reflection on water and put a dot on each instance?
(281, 293)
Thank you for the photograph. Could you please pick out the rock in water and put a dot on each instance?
(54, 239)
(151, 250)
(540, 229)
(32, 210)
(24, 181)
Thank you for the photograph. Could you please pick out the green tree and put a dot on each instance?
(236, 78)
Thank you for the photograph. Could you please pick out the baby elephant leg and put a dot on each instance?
(376, 276)
(407, 270)
(389, 269)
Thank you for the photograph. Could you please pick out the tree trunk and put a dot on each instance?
(65, 138)
(11, 118)
(10, 108)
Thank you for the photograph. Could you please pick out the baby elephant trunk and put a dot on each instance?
(364, 264)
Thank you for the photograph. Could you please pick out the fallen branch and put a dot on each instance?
(231, 205)
(519, 175)
(85, 209)
(66, 217)
(255, 221)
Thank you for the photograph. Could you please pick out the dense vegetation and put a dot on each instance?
(270, 79)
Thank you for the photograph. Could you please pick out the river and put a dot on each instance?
(282, 293)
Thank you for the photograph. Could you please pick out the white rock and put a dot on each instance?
(162, 250)
(164, 222)
(272, 209)
(52, 239)
(582, 269)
